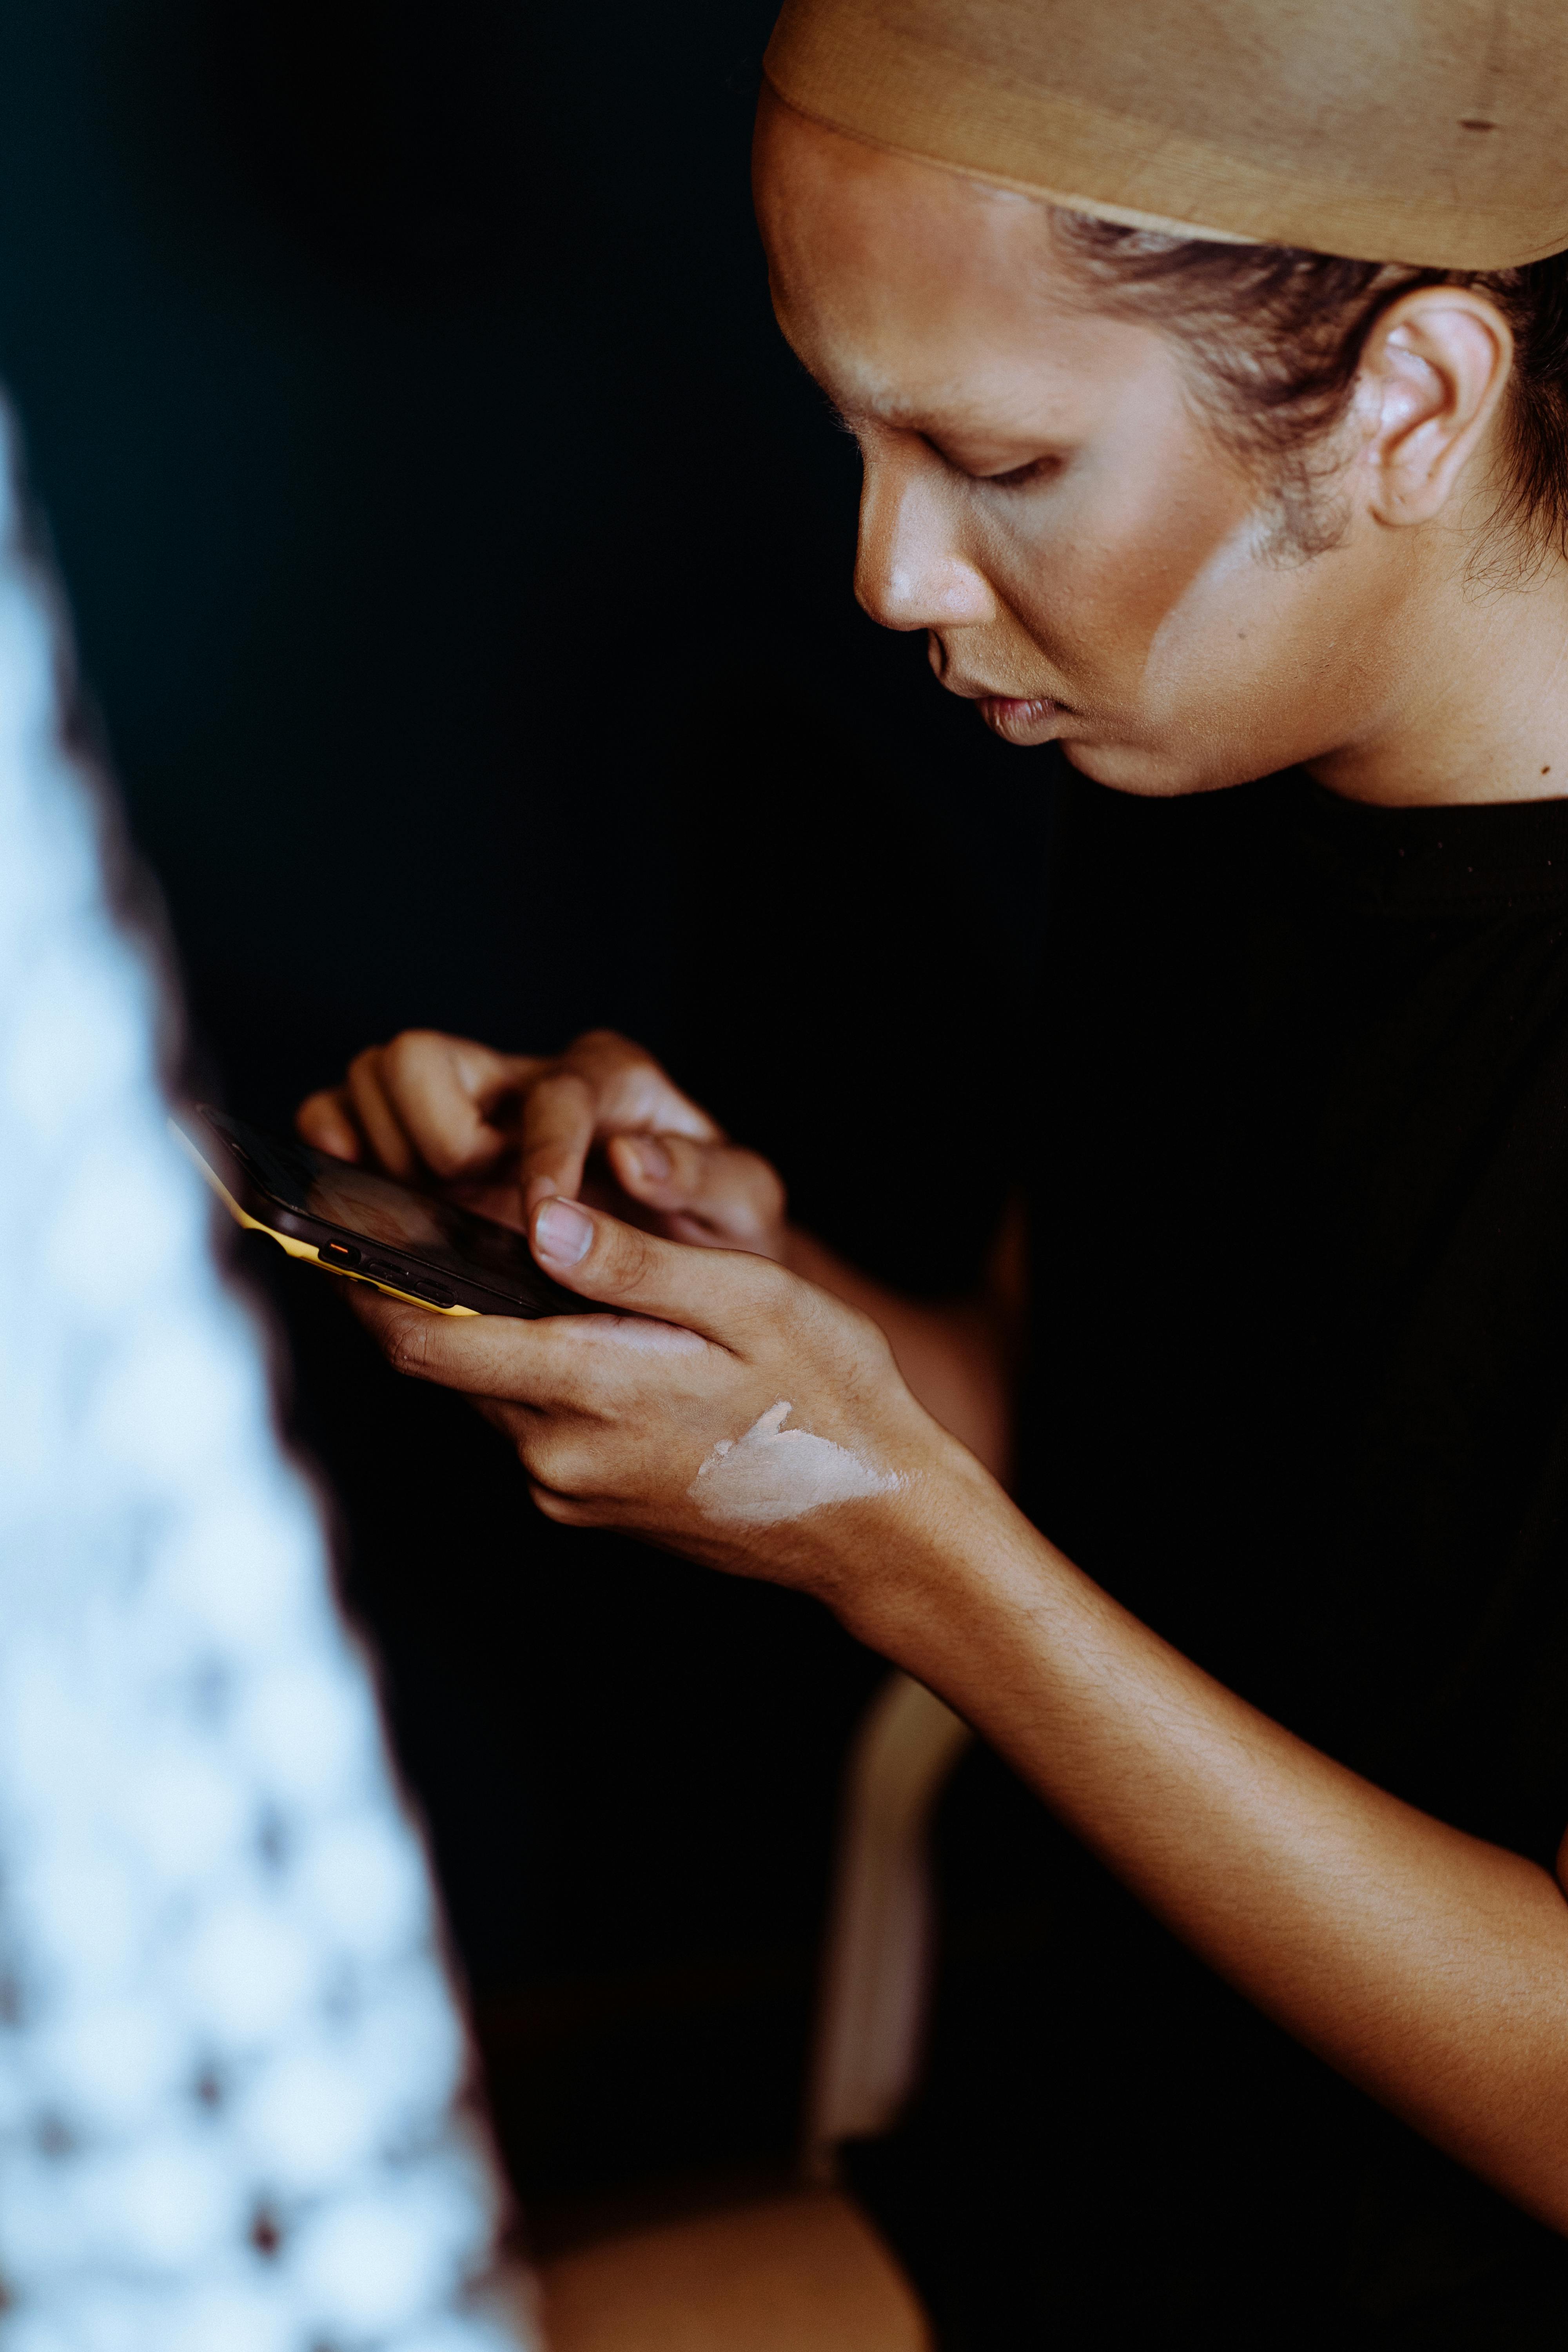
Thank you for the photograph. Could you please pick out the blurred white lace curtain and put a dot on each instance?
(231, 2067)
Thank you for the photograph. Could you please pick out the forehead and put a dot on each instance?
(911, 291)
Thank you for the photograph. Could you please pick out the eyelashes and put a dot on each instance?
(1016, 478)
(1022, 478)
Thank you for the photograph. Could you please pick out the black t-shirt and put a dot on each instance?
(1298, 1177)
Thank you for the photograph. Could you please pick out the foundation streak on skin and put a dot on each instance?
(773, 1473)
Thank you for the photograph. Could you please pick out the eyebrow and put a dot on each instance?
(913, 416)
(956, 428)
(903, 415)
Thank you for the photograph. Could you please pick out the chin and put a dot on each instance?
(1151, 775)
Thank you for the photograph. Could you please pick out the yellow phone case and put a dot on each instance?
(306, 1250)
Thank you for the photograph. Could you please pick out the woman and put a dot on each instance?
(1209, 368)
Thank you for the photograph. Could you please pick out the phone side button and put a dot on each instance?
(419, 1286)
(338, 1253)
(411, 1283)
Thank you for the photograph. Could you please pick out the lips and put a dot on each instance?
(1019, 719)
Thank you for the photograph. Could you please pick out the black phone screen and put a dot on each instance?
(367, 1208)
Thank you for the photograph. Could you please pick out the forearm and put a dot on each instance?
(954, 1356)
(1427, 1966)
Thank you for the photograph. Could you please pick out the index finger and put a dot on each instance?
(602, 1085)
(560, 1119)
(325, 1120)
(511, 1362)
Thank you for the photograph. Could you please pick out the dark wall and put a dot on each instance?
(461, 571)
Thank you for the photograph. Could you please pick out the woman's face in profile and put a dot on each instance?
(1042, 497)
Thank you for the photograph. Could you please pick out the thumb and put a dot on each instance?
(723, 1295)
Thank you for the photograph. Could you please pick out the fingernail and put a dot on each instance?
(653, 1161)
(562, 1231)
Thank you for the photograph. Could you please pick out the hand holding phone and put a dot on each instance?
(355, 1222)
(525, 1126)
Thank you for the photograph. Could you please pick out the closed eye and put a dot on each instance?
(1023, 477)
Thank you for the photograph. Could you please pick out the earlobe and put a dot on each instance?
(1434, 371)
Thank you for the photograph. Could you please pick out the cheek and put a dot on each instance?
(1257, 665)
(1267, 653)
(1102, 569)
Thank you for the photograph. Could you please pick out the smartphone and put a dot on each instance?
(355, 1221)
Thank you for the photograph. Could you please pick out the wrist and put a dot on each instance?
(950, 1541)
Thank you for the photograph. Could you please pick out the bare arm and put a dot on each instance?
(1424, 1964)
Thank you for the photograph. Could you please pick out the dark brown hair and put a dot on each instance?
(1275, 337)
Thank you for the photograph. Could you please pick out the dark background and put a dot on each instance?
(460, 566)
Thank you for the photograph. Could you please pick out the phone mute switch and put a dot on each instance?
(338, 1253)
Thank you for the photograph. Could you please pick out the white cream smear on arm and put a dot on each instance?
(774, 1474)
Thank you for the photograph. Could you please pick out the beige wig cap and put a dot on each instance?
(1431, 132)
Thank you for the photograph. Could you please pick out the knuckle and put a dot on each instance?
(601, 1044)
(774, 1290)
(553, 1458)
(617, 1064)
(413, 1050)
(769, 1298)
(408, 1348)
(628, 1254)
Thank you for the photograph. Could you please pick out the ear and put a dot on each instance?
(1434, 371)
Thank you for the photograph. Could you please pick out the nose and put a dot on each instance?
(910, 568)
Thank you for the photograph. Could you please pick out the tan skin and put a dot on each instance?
(1043, 500)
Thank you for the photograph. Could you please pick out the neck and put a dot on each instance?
(1479, 707)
